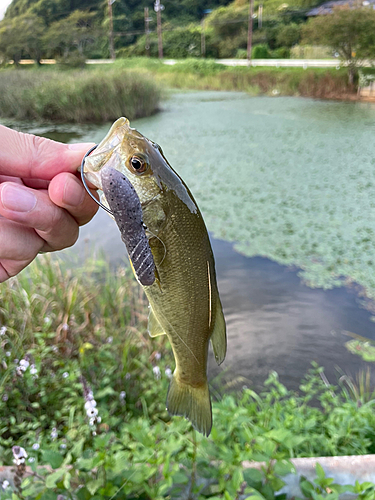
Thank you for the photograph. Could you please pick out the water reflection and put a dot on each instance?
(274, 321)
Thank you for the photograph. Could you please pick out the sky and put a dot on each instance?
(3, 7)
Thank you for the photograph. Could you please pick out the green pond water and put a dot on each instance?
(287, 178)
(290, 180)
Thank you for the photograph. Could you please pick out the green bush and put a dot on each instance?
(260, 52)
(73, 60)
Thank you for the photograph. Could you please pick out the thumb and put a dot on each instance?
(29, 156)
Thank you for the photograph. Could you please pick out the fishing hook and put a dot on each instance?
(84, 180)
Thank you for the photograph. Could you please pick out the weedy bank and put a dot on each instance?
(77, 95)
(208, 75)
(82, 404)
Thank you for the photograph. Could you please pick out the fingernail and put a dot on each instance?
(73, 192)
(17, 199)
(82, 146)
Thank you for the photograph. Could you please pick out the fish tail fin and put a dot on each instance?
(193, 403)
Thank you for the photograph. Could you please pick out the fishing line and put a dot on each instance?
(84, 180)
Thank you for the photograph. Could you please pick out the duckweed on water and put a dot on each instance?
(285, 178)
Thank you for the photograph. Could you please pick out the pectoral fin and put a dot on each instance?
(154, 329)
(219, 336)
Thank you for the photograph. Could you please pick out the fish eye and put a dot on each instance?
(137, 164)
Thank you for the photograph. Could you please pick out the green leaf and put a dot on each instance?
(94, 485)
(67, 480)
(253, 477)
(284, 467)
(320, 471)
(53, 478)
(53, 458)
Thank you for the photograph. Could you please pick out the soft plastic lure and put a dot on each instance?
(127, 212)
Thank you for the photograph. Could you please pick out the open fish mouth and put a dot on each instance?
(94, 178)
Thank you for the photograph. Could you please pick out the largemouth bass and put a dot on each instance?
(184, 298)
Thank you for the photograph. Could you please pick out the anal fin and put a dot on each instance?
(154, 328)
(219, 336)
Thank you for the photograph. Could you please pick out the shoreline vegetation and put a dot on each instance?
(134, 87)
(83, 392)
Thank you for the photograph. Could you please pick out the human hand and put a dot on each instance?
(42, 200)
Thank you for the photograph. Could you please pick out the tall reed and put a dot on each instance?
(77, 96)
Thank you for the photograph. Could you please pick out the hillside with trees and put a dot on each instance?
(78, 29)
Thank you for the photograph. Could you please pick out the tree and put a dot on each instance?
(22, 36)
(74, 32)
(350, 32)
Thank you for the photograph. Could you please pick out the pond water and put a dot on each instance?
(287, 189)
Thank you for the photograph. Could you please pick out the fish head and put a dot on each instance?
(141, 161)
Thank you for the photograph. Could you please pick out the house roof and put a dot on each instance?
(327, 7)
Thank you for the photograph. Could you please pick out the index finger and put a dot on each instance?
(26, 155)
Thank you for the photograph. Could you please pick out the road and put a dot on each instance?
(277, 63)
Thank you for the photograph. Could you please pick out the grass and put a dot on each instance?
(132, 87)
(85, 330)
(207, 75)
(77, 96)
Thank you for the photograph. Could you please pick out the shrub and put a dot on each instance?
(260, 52)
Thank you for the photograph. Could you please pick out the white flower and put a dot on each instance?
(33, 370)
(93, 433)
(122, 395)
(3, 330)
(47, 319)
(7, 353)
(109, 340)
(98, 419)
(92, 421)
(55, 348)
(168, 372)
(31, 460)
(54, 433)
(90, 404)
(5, 484)
(63, 446)
(19, 454)
(157, 355)
(24, 364)
(157, 372)
(65, 375)
(36, 446)
(91, 412)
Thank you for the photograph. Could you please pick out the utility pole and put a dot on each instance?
(250, 31)
(260, 16)
(111, 42)
(203, 39)
(147, 32)
(158, 7)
